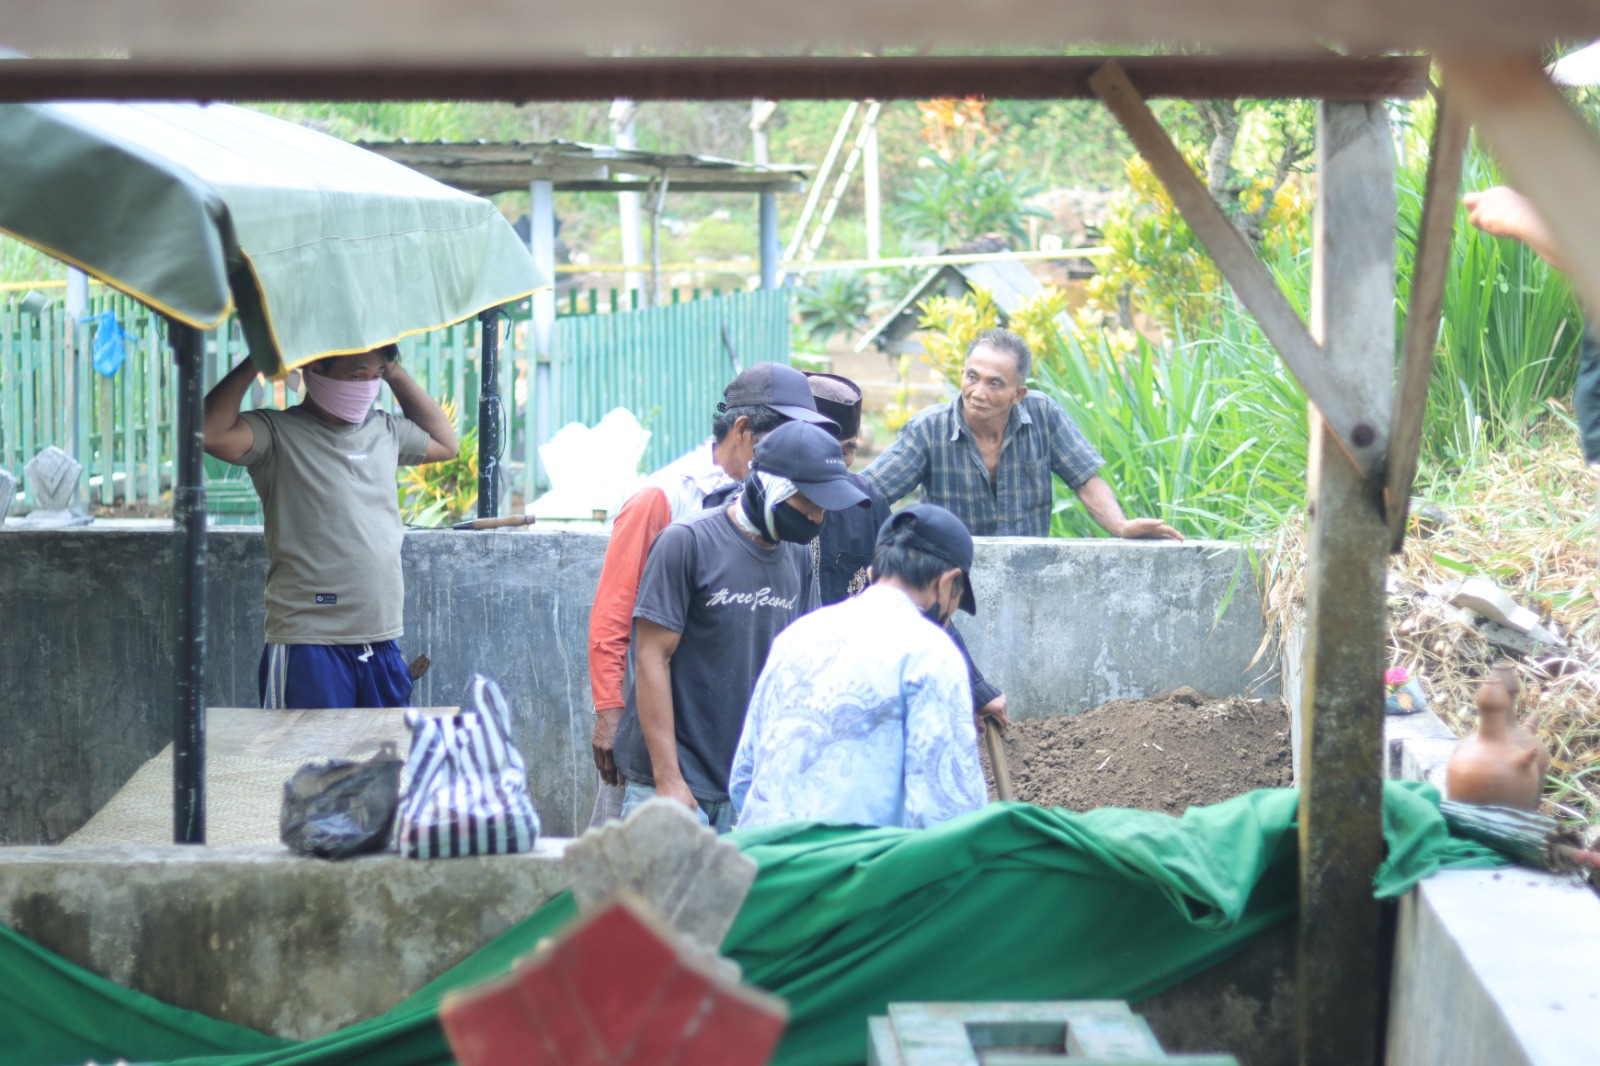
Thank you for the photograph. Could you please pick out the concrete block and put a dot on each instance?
(571, 1004)
(1496, 968)
(1417, 747)
(663, 856)
(287, 945)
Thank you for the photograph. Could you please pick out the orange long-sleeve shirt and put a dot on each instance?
(641, 520)
(672, 493)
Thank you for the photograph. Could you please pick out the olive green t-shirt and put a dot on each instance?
(332, 524)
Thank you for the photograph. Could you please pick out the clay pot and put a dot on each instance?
(1520, 733)
(1489, 768)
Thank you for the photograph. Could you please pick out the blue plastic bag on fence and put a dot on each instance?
(109, 349)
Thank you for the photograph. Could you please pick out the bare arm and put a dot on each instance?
(421, 408)
(227, 436)
(1504, 212)
(1102, 505)
(652, 666)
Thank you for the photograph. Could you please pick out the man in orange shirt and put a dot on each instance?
(756, 402)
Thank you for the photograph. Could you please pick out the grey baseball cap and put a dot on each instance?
(782, 388)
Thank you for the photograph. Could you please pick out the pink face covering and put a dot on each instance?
(348, 401)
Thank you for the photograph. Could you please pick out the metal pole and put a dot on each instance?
(189, 585)
(769, 240)
(542, 246)
(624, 112)
(489, 415)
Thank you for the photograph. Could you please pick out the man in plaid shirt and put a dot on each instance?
(988, 456)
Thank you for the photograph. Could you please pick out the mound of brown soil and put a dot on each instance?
(1162, 754)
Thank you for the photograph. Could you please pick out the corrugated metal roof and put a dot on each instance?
(485, 167)
(1008, 281)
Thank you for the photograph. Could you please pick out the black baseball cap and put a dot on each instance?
(939, 533)
(808, 456)
(839, 399)
(782, 388)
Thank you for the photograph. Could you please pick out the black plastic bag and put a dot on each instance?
(337, 808)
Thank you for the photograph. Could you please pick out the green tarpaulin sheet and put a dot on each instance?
(1010, 903)
(321, 247)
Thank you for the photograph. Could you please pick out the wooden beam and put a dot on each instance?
(1424, 307)
(715, 78)
(1360, 429)
(1340, 979)
(1549, 153)
(351, 31)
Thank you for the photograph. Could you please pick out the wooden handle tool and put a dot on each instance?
(496, 523)
(997, 761)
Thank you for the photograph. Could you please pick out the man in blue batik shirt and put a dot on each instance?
(863, 712)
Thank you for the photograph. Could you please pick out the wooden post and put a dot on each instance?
(1341, 788)
(1426, 303)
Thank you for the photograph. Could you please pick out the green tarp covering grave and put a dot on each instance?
(1010, 903)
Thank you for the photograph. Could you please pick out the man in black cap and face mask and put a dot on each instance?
(719, 585)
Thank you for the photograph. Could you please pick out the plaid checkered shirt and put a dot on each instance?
(936, 450)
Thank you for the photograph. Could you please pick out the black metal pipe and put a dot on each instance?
(489, 416)
(189, 587)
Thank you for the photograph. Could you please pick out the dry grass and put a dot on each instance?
(1524, 519)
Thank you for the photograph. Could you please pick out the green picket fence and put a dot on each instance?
(667, 364)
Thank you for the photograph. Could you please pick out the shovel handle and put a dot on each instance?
(997, 761)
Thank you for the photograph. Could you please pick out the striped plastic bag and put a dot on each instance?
(468, 793)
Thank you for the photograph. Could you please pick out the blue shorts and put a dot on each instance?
(318, 676)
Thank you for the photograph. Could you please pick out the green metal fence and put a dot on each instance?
(667, 364)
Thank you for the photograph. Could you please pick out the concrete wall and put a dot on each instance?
(86, 621)
(264, 938)
(1064, 625)
(1496, 968)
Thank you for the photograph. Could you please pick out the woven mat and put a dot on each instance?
(250, 753)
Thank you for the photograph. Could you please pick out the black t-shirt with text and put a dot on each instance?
(728, 597)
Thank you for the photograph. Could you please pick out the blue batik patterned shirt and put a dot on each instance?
(936, 450)
(861, 715)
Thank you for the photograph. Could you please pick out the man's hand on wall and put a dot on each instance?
(1148, 529)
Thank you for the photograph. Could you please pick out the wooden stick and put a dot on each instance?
(1362, 435)
(997, 761)
(503, 522)
(1423, 309)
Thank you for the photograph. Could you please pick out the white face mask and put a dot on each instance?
(348, 401)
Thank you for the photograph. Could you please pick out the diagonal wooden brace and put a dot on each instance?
(1426, 303)
(1363, 436)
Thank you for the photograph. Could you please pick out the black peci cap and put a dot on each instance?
(840, 399)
